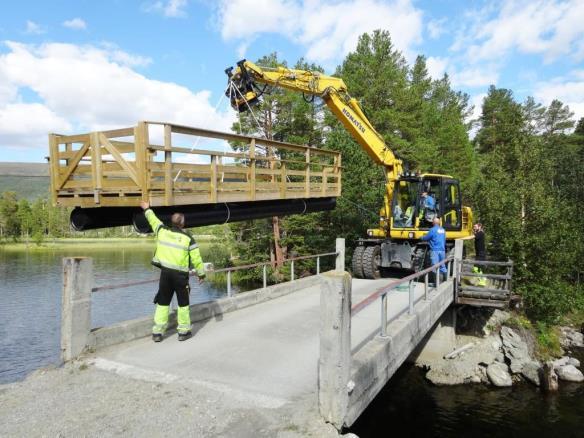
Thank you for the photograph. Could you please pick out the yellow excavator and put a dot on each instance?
(411, 200)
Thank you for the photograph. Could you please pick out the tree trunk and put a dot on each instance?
(277, 247)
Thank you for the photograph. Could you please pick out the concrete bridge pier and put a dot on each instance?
(439, 341)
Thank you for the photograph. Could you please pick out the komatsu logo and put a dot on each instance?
(355, 122)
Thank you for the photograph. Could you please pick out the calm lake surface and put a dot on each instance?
(409, 406)
(30, 299)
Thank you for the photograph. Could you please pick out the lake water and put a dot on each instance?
(416, 408)
(30, 299)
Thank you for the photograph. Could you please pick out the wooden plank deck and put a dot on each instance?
(121, 167)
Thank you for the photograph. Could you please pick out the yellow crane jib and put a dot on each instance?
(403, 217)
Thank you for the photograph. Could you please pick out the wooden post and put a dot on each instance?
(307, 175)
(338, 173)
(168, 181)
(252, 170)
(334, 363)
(141, 142)
(75, 306)
(54, 164)
(96, 170)
(213, 179)
(283, 175)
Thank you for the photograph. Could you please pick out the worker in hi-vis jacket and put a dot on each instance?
(176, 254)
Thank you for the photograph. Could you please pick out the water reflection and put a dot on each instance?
(30, 297)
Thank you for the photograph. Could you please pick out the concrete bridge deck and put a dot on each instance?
(266, 354)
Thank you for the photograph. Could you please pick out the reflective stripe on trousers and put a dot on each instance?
(160, 319)
(184, 319)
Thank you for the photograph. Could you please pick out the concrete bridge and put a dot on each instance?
(328, 338)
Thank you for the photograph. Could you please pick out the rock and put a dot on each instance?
(350, 435)
(573, 361)
(515, 349)
(452, 372)
(500, 357)
(549, 378)
(561, 362)
(474, 379)
(571, 337)
(499, 375)
(497, 318)
(570, 373)
(531, 371)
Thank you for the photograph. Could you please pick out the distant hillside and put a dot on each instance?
(28, 180)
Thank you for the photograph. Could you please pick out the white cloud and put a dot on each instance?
(481, 76)
(169, 8)
(551, 28)
(82, 88)
(436, 28)
(437, 66)
(328, 29)
(568, 91)
(33, 28)
(75, 24)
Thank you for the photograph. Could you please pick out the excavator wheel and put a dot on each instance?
(372, 262)
(357, 263)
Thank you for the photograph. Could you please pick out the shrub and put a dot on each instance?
(549, 302)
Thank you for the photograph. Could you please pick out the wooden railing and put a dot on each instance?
(123, 166)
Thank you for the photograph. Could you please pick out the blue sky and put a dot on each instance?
(75, 66)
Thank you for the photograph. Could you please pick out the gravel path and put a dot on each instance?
(78, 400)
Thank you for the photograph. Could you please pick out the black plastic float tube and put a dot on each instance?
(196, 215)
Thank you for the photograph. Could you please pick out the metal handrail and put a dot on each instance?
(383, 291)
(228, 270)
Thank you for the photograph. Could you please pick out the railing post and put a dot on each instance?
(318, 266)
(384, 315)
(458, 250)
(229, 292)
(437, 275)
(340, 248)
(411, 298)
(334, 364)
(426, 286)
(292, 270)
(265, 276)
(75, 306)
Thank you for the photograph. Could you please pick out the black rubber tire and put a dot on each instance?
(372, 262)
(357, 263)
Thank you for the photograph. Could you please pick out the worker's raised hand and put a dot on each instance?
(145, 205)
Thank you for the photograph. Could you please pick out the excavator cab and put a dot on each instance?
(418, 199)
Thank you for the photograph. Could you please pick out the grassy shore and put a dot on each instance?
(84, 242)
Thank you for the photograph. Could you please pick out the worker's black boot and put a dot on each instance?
(184, 336)
(156, 337)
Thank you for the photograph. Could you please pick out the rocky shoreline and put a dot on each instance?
(497, 354)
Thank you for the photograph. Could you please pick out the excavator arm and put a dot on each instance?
(244, 91)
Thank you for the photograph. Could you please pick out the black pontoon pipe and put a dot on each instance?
(196, 215)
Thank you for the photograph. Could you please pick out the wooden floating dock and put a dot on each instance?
(121, 167)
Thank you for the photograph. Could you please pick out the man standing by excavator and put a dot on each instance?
(436, 237)
(176, 254)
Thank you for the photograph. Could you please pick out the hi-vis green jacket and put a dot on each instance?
(175, 248)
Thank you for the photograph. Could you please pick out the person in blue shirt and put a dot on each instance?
(436, 237)
(427, 209)
(428, 201)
